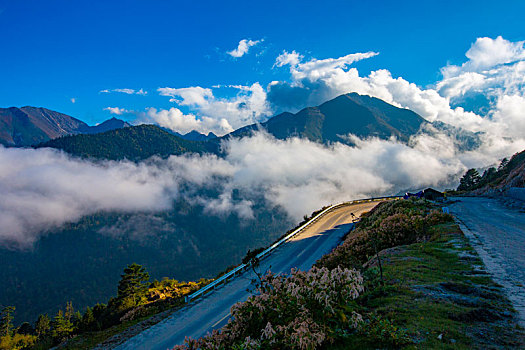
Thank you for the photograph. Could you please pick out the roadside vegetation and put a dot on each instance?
(405, 278)
(510, 173)
(139, 303)
(137, 299)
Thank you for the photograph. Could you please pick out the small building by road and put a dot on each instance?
(432, 194)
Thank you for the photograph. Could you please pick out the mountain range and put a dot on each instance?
(332, 121)
(133, 143)
(28, 126)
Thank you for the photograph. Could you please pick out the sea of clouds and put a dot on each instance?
(42, 189)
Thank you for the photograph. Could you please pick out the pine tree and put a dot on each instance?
(133, 283)
(503, 163)
(25, 328)
(42, 325)
(70, 312)
(6, 320)
(469, 180)
(88, 320)
(62, 327)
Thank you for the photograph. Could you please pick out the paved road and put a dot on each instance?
(213, 311)
(498, 235)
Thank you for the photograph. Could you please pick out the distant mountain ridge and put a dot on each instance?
(351, 113)
(28, 126)
(332, 121)
(133, 143)
(197, 136)
(110, 124)
(193, 135)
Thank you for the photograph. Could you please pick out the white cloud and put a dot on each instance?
(318, 69)
(495, 67)
(486, 53)
(243, 47)
(125, 91)
(316, 81)
(117, 110)
(175, 120)
(190, 96)
(248, 106)
(288, 58)
(42, 189)
(509, 115)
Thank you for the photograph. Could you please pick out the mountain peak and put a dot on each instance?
(29, 125)
(351, 113)
(107, 125)
(197, 136)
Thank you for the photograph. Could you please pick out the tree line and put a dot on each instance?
(134, 291)
(472, 180)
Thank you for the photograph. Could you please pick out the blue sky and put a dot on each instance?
(56, 51)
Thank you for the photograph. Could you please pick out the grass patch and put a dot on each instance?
(89, 340)
(434, 297)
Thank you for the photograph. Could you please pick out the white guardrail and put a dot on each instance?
(241, 268)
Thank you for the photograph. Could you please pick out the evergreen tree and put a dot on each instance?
(133, 283)
(25, 328)
(42, 325)
(503, 163)
(62, 327)
(69, 311)
(488, 176)
(469, 180)
(87, 321)
(6, 320)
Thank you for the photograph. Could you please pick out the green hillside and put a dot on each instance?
(132, 143)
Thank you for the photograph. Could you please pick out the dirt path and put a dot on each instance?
(498, 235)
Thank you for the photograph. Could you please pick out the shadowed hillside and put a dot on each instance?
(132, 143)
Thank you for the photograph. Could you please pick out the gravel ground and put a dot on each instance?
(497, 232)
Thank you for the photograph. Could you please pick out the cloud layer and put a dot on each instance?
(43, 189)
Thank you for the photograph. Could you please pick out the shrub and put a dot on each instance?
(388, 225)
(436, 217)
(300, 311)
(383, 331)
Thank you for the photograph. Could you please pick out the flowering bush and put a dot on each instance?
(296, 312)
(387, 225)
(309, 309)
(436, 217)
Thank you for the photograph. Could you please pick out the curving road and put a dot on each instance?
(213, 310)
(498, 235)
